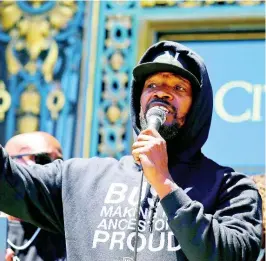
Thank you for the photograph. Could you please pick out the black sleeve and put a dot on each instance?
(232, 233)
(32, 193)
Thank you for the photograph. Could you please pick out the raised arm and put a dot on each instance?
(32, 193)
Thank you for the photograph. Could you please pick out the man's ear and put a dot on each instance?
(181, 121)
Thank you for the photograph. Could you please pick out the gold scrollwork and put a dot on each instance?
(211, 2)
(250, 2)
(124, 21)
(152, 3)
(29, 110)
(113, 113)
(13, 65)
(55, 102)
(30, 101)
(35, 34)
(49, 63)
(189, 3)
(5, 101)
(28, 123)
(117, 61)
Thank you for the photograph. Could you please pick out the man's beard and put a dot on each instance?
(169, 132)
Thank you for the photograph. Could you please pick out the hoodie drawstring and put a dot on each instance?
(137, 215)
(151, 211)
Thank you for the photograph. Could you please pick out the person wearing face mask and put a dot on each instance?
(199, 209)
(259, 180)
(27, 242)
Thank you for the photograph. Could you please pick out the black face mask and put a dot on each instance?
(41, 158)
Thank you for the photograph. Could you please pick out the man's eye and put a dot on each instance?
(179, 88)
(151, 86)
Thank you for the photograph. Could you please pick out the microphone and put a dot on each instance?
(156, 117)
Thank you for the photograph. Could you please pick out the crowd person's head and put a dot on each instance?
(34, 147)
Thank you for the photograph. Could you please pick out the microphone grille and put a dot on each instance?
(157, 112)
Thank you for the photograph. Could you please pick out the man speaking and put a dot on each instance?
(199, 209)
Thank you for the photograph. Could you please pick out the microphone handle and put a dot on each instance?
(154, 122)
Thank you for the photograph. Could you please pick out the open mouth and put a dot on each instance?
(162, 106)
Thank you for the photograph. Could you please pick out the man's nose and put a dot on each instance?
(163, 94)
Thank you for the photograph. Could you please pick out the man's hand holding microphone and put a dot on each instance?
(150, 151)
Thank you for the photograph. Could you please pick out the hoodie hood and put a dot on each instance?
(194, 132)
